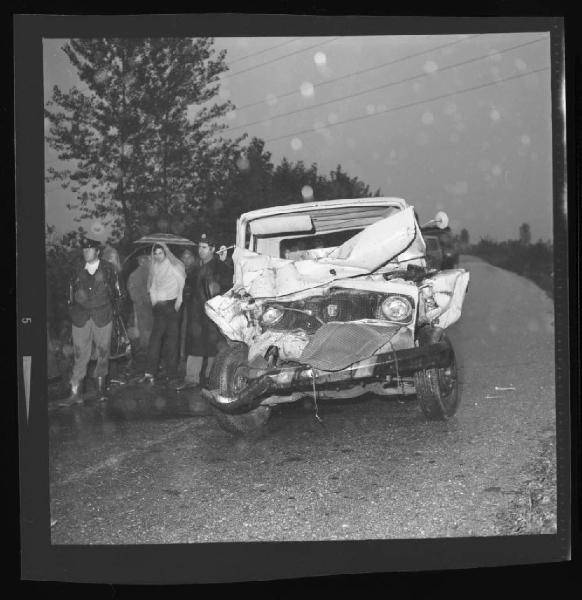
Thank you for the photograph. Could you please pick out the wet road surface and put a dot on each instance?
(152, 467)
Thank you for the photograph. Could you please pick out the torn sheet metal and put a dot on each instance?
(378, 243)
(290, 344)
(234, 317)
(268, 277)
(448, 291)
(360, 263)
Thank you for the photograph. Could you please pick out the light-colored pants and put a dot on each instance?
(83, 340)
(194, 368)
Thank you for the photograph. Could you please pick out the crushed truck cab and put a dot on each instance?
(333, 299)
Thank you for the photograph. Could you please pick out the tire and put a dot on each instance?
(225, 380)
(437, 390)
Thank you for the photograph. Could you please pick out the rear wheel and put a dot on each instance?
(228, 379)
(437, 390)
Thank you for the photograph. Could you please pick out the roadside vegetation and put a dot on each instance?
(533, 261)
(139, 147)
(532, 510)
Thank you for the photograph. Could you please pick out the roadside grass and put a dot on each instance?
(533, 261)
(533, 508)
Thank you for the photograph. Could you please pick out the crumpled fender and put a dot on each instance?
(449, 289)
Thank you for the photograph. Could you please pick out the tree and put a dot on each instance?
(464, 237)
(341, 185)
(140, 135)
(62, 255)
(289, 181)
(525, 234)
(250, 186)
(256, 183)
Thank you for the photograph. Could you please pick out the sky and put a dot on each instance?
(460, 123)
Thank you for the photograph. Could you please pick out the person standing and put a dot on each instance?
(93, 290)
(214, 277)
(119, 339)
(111, 255)
(190, 261)
(137, 286)
(165, 286)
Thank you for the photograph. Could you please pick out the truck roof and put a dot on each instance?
(306, 206)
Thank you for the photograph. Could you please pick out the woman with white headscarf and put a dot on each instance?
(165, 286)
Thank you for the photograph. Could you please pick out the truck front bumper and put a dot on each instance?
(265, 382)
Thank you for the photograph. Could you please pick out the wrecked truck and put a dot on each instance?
(333, 299)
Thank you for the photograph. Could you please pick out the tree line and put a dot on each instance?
(142, 146)
(532, 260)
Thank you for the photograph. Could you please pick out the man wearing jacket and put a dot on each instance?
(213, 277)
(93, 291)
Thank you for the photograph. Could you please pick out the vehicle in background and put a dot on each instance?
(434, 252)
(447, 257)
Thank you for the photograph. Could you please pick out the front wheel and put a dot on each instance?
(437, 390)
(228, 379)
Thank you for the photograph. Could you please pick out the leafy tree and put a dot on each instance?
(62, 255)
(341, 185)
(250, 186)
(257, 183)
(139, 135)
(289, 179)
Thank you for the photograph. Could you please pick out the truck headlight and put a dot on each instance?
(397, 308)
(272, 315)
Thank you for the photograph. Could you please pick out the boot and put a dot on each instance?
(180, 385)
(147, 378)
(74, 397)
(101, 389)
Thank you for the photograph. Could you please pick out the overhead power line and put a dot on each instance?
(268, 62)
(359, 72)
(376, 88)
(232, 62)
(408, 105)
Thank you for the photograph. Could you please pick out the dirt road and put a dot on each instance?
(142, 471)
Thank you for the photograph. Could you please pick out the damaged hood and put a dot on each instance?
(267, 277)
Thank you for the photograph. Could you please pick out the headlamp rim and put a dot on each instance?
(398, 297)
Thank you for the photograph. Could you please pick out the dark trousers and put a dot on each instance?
(166, 330)
(145, 319)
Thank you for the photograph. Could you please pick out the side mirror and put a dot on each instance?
(441, 220)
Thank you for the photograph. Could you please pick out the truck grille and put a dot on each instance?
(336, 305)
